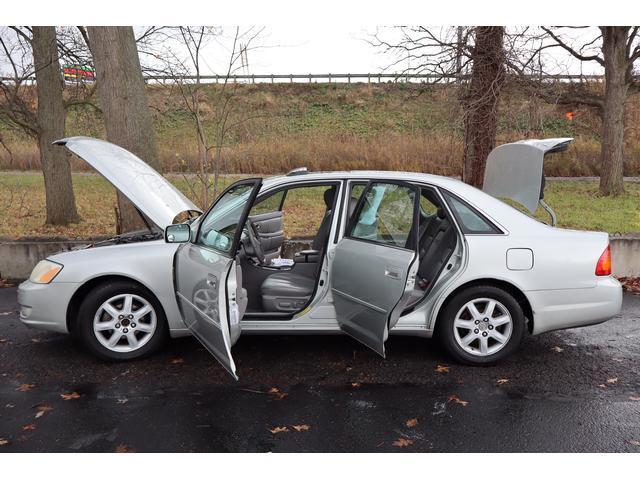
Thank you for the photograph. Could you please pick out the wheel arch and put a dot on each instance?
(518, 294)
(78, 296)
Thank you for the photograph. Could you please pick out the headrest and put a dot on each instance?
(329, 194)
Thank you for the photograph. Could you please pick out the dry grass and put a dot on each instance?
(340, 126)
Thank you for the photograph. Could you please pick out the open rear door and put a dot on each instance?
(208, 281)
(375, 264)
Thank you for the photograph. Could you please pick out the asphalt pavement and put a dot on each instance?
(569, 391)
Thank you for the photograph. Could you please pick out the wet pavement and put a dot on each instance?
(571, 391)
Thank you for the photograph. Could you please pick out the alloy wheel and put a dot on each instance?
(482, 327)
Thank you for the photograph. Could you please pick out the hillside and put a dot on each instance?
(334, 126)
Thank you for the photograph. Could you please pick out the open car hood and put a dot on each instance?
(149, 191)
(515, 170)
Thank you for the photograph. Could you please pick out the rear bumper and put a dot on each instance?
(45, 306)
(560, 309)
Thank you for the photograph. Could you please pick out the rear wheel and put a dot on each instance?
(481, 325)
(121, 321)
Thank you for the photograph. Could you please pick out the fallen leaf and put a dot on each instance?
(558, 349)
(278, 430)
(122, 448)
(36, 340)
(502, 381)
(42, 409)
(4, 441)
(31, 426)
(3, 340)
(69, 396)
(355, 385)
(455, 399)
(412, 422)
(177, 361)
(635, 399)
(442, 369)
(122, 401)
(612, 381)
(25, 387)
(301, 428)
(635, 443)
(402, 442)
(277, 394)
(602, 385)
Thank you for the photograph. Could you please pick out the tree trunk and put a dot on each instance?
(614, 40)
(480, 102)
(60, 199)
(121, 90)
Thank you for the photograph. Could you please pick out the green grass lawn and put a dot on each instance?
(22, 211)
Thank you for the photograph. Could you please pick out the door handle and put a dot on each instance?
(392, 273)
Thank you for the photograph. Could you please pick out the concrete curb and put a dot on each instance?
(18, 257)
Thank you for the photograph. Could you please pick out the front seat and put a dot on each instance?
(318, 243)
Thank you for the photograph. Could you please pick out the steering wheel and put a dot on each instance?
(249, 232)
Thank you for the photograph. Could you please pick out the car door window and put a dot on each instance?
(470, 221)
(385, 215)
(218, 229)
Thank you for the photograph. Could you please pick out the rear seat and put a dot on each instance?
(437, 243)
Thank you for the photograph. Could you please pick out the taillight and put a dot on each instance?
(603, 268)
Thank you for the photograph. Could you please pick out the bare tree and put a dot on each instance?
(189, 70)
(47, 122)
(478, 59)
(121, 89)
(616, 49)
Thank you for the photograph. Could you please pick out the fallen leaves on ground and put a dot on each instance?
(612, 381)
(602, 385)
(69, 396)
(275, 430)
(442, 369)
(402, 442)
(36, 340)
(42, 409)
(558, 349)
(3, 340)
(25, 387)
(31, 426)
(635, 399)
(412, 422)
(4, 283)
(630, 284)
(4, 441)
(301, 428)
(635, 443)
(123, 448)
(455, 399)
(277, 394)
(502, 381)
(177, 361)
(356, 384)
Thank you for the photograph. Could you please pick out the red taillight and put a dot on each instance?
(603, 268)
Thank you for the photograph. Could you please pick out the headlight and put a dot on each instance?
(45, 271)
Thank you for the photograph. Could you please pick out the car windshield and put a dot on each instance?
(221, 222)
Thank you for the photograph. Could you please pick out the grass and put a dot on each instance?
(22, 215)
(340, 126)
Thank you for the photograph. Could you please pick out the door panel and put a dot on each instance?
(269, 232)
(375, 265)
(207, 282)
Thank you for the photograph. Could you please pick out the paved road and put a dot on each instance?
(565, 391)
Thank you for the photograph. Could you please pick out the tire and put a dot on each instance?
(95, 325)
(502, 331)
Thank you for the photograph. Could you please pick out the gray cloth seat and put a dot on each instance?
(286, 292)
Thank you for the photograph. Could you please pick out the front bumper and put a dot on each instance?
(560, 309)
(44, 306)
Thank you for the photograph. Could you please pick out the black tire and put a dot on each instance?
(92, 302)
(445, 324)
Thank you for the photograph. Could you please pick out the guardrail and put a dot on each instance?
(335, 77)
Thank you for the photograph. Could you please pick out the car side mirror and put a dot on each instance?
(179, 233)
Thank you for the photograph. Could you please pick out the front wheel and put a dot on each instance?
(121, 321)
(481, 325)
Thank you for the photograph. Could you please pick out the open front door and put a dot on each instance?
(208, 281)
(375, 264)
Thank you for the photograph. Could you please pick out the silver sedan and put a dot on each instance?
(395, 252)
